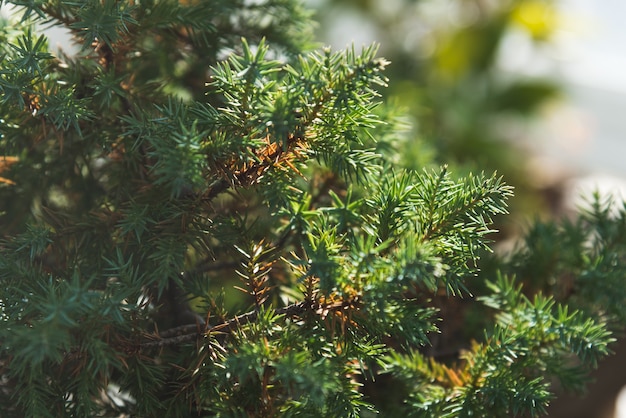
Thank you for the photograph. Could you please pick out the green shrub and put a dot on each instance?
(199, 225)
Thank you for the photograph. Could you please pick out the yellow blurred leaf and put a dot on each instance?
(538, 18)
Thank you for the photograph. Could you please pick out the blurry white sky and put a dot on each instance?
(596, 42)
(589, 132)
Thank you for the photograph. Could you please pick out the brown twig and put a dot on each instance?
(192, 332)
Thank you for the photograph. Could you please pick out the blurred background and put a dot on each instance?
(488, 80)
(532, 88)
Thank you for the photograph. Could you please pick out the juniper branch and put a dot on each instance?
(192, 332)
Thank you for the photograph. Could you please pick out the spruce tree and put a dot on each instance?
(203, 214)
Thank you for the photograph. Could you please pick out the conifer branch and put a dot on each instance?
(192, 332)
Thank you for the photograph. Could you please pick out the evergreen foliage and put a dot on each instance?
(249, 246)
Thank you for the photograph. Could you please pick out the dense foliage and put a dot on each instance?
(202, 216)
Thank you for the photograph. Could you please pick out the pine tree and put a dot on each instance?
(203, 215)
